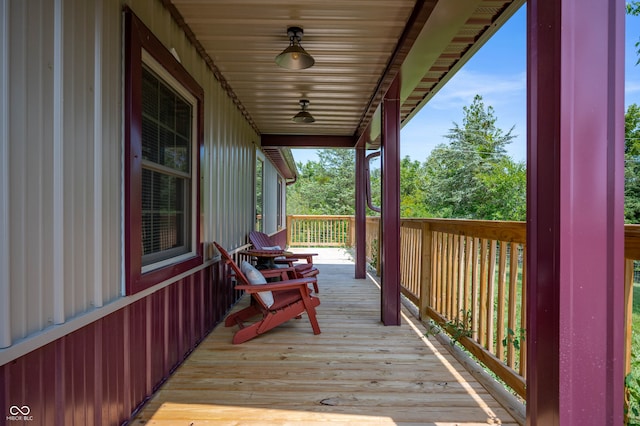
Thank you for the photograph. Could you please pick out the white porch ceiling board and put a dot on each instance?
(351, 41)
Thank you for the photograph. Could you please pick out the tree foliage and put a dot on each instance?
(326, 186)
(632, 164)
(472, 176)
(633, 8)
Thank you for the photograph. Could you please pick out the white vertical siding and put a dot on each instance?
(30, 126)
(270, 198)
(96, 289)
(5, 317)
(57, 177)
(61, 188)
(111, 127)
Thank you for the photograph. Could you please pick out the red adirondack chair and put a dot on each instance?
(262, 241)
(287, 299)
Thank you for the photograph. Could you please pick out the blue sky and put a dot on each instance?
(497, 73)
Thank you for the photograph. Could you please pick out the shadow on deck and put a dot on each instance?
(356, 372)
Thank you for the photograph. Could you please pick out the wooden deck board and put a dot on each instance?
(356, 372)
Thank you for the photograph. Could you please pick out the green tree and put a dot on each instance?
(633, 8)
(472, 176)
(632, 164)
(412, 189)
(326, 186)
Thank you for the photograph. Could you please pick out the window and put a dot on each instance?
(280, 191)
(163, 136)
(259, 194)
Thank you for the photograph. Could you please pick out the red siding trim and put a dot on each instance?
(103, 372)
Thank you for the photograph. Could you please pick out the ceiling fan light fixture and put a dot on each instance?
(295, 57)
(303, 116)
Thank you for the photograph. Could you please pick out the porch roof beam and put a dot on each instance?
(308, 141)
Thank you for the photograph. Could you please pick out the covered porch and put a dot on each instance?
(357, 371)
(104, 293)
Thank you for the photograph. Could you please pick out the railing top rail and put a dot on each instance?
(632, 241)
(510, 231)
(320, 216)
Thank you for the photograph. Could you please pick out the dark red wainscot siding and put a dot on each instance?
(101, 373)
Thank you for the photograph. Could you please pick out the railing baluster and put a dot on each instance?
(628, 311)
(511, 321)
(449, 313)
(438, 258)
(475, 290)
(483, 293)
(460, 277)
(502, 278)
(491, 295)
(467, 275)
(523, 317)
(455, 253)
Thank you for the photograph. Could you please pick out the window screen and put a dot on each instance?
(166, 170)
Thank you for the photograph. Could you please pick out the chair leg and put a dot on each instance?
(310, 307)
(241, 316)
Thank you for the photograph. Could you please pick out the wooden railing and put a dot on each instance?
(320, 231)
(631, 257)
(468, 277)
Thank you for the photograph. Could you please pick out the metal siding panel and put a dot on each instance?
(270, 196)
(187, 311)
(229, 149)
(5, 302)
(29, 166)
(96, 165)
(78, 183)
(57, 175)
(173, 320)
(31, 381)
(158, 345)
(199, 305)
(80, 378)
(78, 371)
(138, 352)
(111, 124)
(113, 371)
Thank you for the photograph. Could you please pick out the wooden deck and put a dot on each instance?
(356, 372)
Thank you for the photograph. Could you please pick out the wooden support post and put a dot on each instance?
(425, 278)
(575, 230)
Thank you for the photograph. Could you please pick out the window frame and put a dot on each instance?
(280, 202)
(139, 39)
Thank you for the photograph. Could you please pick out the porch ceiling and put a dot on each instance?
(359, 47)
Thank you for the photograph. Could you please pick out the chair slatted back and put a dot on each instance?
(260, 240)
(237, 272)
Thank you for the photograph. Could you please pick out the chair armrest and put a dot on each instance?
(301, 256)
(278, 272)
(278, 286)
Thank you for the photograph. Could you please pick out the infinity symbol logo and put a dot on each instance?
(15, 410)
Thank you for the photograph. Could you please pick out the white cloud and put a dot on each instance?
(632, 92)
(494, 89)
